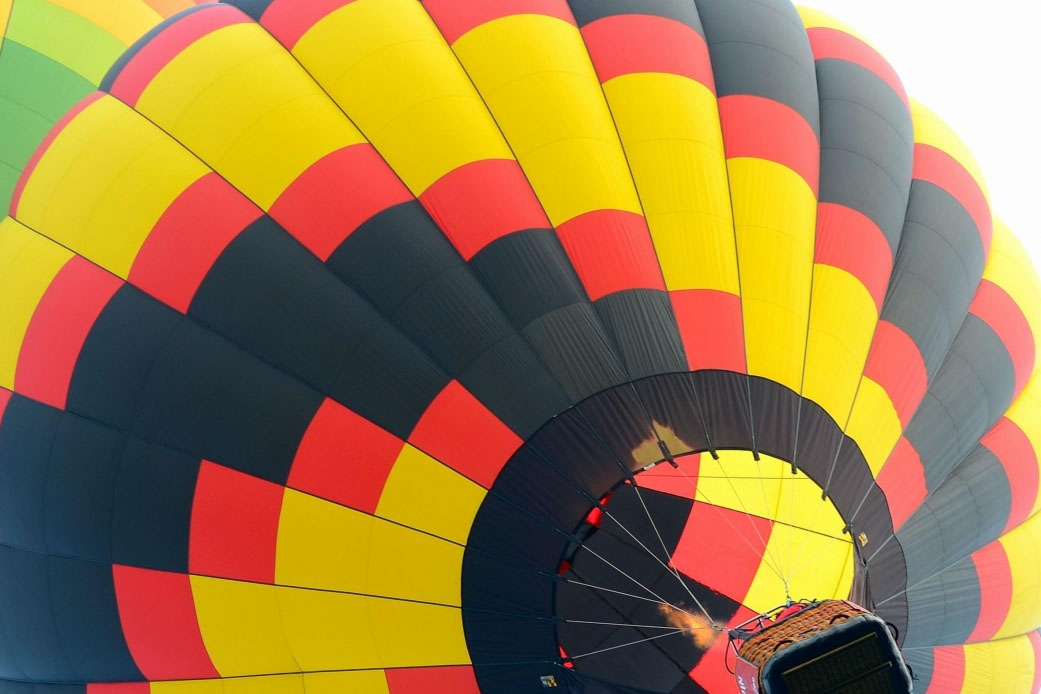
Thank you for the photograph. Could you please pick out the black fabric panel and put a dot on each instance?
(818, 445)
(971, 391)
(498, 586)
(670, 401)
(8, 663)
(13, 687)
(759, 47)
(644, 330)
(515, 677)
(535, 484)
(254, 8)
(938, 267)
(684, 11)
(951, 524)
(624, 427)
(130, 53)
(571, 342)
(775, 414)
(28, 619)
(84, 600)
(887, 576)
(531, 542)
(25, 445)
(943, 609)
(921, 662)
(152, 507)
(82, 471)
(724, 405)
(117, 356)
(271, 296)
(389, 381)
(867, 145)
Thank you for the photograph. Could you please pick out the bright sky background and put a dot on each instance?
(978, 66)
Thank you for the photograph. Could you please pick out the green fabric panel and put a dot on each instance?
(39, 83)
(64, 36)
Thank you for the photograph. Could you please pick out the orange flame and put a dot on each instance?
(700, 630)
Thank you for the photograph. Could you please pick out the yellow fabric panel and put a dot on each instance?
(104, 182)
(278, 684)
(241, 627)
(842, 323)
(1009, 267)
(397, 551)
(5, 15)
(242, 104)
(999, 667)
(363, 682)
(329, 631)
(127, 20)
(422, 493)
(389, 68)
(846, 580)
(930, 129)
(28, 263)
(188, 687)
(737, 482)
(669, 127)
(536, 77)
(413, 634)
(874, 424)
(1023, 548)
(812, 564)
(774, 214)
(1026, 413)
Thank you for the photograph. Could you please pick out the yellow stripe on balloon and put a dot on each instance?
(999, 667)
(874, 424)
(1009, 267)
(669, 126)
(536, 76)
(1023, 548)
(388, 66)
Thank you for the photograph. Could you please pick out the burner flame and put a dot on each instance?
(701, 631)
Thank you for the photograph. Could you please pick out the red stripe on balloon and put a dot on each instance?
(941, 169)
(464, 435)
(157, 611)
(457, 679)
(455, 18)
(668, 480)
(948, 670)
(754, 126)
(611, 250)
(895, 363)
(996, 308)
(234, 526)
(5, 397)
(188, 238)
(153, 56)
(995, 577)
(710, 532)
(289, 20)
(827, 43)
(336, 434)
(335, 195)
(482, 201)
(902, 478)
(850, 241)
(629, 43)
(59, 327)
(1014, 451)
(711, 329)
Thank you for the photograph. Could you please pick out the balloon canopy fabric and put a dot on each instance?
(387, 346)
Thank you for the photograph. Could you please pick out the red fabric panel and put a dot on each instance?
(234, 525)
(188, 238)
(902, 478)
(611, 250)
(455, 18)
(665, 478)
(938, 167)
(832, 43)
(995, 578)
(1035, 643)
(289, 20)
(996, 308)
(5, 397)
(457, 679)
(850, 241)
(711, 328)
(119, 688)
(1013, 450)
(463, 434)
(948, 670)
(629, 43)
(482, 201)
(895, 363)
(712, 672)
(712, 531)
(754, 126)
(142, 68)
(58, 329)
(157, 612)
(344, 457)
(44, 145)
(335, 195)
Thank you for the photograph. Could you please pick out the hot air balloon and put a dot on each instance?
(462, 346)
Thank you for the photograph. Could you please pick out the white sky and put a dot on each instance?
(978, 66)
